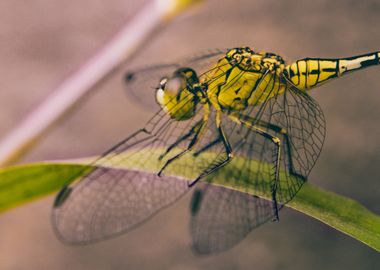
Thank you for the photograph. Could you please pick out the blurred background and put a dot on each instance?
(44, 41)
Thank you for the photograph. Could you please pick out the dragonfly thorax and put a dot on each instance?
(249, 60)
(244, 78)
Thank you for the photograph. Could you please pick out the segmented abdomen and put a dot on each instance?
(311, 72)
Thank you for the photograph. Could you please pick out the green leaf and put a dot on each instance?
(21, 184)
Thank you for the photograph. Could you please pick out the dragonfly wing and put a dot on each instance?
(305, 126)
(219, 224)
(141, 83)
(297, 121)
(222, 217)
(110, 200)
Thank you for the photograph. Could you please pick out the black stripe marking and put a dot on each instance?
(330, 70)
(315, 71)
(318, 72)
(298, 73)
(254, 88)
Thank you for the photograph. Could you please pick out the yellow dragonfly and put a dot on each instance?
(239, 112)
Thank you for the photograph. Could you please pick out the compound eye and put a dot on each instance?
(174, 86)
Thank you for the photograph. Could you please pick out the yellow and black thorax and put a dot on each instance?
(245, 78)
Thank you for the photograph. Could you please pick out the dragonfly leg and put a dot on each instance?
(193, 130)
(228, 150)
(279, 130)
(197, 130)
(277, 142)
(277, 155)
(285, 135)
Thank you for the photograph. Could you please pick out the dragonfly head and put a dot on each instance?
(175, 93)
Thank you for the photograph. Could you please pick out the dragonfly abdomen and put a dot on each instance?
(311, 72)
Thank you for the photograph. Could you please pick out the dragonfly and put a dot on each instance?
(237, 126)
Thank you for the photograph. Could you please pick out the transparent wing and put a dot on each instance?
(222, 217)
(297, 121)
(219, 224)
(305, 131)
(110, 200)
(141, 83)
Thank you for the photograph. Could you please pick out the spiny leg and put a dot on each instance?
(193, 130)
(279, 130)
(193, 142)
(216, 141)
(198, 129)
(277, 142)
(285, 134)
(228, 151)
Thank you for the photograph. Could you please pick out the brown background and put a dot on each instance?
(43, 41)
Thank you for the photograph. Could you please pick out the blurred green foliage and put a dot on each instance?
(22, 184)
